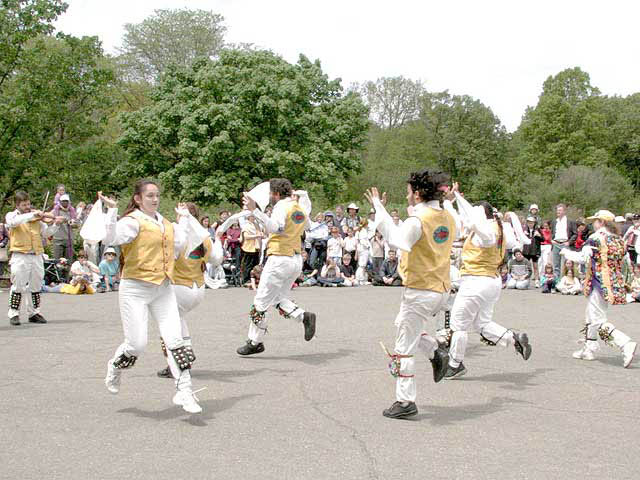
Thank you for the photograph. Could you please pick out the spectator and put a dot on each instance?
(377, 252)
(308, 276)
(334, 245)
(82, 269)
(81, 287)
(388, 275)
(628, 223)
(329, 219)
(317, 237)
(224, 214)
(330, 275)
(519, 271)
(4, 248)
(350, 245)
(504, 275)
(548, 279)
(632, 239)
(109, 271)
(206, 224)
(347, 270)
(60, 191)
(362, 254)
(256, 273)
(232, 243)
(250, 240)
(353, 220)
(339, 219)
(545, 245)
(532, 251)
(63, 237)
(533, 212)
(371, 224)
(569, 284)
(634, 295)
(563, 235)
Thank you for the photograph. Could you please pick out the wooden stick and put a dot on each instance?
(385, 349)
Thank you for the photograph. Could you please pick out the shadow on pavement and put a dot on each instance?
(227, 376)
(441, 416)
(514, 381)
(26, 324)
(312, 358)
(209, 407)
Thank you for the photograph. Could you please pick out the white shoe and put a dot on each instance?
(187, 400)
(628, 351)
(112, 380)
(584, 354)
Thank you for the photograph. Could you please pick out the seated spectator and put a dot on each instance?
(81, 287)
(82, 269)
(634, 287)
(334, 246)
(308, 275)
(548, 279)
(504, 275)
(109, 271)
(347, 271)
(254, 281)
(519, 271)
(330, 275)
(388, 275)
(569, 284)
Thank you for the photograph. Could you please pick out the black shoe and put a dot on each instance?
(165, 373)
(37, 318)
(440, 363)
(15, 320)
(397, 410)
(521, 344)
(309, 322)
(249, 348)
(455, 372)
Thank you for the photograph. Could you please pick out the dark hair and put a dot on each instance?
(193, 209)
(428, 184)
(206, 217)
(281, 186)
(138, 188)
(611, 226)
(81, 253)
(21, 196)
(490, 213)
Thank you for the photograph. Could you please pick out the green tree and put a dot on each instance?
(393, 101)
(170, 37)
(218, 127)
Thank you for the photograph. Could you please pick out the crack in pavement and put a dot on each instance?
(353, 433)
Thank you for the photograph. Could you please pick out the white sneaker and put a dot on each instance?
(187, 400)
(628, 351)
(112, 380)
(584, 354)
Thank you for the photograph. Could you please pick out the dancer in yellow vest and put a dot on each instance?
(26, 232)
(604, 285)
(480, 285)
(188, 277)
(148, 243)
(425, 239)
(285, 227)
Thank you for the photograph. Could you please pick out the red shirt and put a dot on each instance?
(546, 234)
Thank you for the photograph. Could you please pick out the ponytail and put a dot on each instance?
(138, 188)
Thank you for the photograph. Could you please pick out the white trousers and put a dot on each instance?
(276, 280)
(27, 274)
(140, 301)
(416, 308)
(361, 272)
(596, 320)
(545, 257)
(473, 310)
(188, 299)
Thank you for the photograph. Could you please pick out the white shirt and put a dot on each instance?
(350, 244)
(561, 230)
(15, 218)
(276, 222)
(334, 247)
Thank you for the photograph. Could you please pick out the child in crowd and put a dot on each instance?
(545, 245)
(308, 275)
(254, 277)
(347, 270)
(519, 271)
(548, 279)
(330, 275)
(504, 275)
(569, 284)
(81, 287)
(634, 294)
(334, 245)
(350, 245)
(109, 268)
(82, 269)
(60, 190)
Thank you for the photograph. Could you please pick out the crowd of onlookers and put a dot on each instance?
(340, 249)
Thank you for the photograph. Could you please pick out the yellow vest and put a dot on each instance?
(479, 261)
(188, 270)
(427, 265)
(288, 241)
(150, 256)
(26, 238)
(249, 246)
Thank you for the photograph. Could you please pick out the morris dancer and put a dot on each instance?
(285, 227)
(189, 282)
(148, 244)
(480, 285)
(26, 231)
(604, 284)
(425, 238)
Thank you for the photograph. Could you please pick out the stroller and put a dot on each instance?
(54, 272)
(232, 272)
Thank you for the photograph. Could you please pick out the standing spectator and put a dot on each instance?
(632, 239)
(232, 243)
(532, 251)
(350, 245)
(519, 271)
(63, 238)
(545, 245)
(569, 284)
(330, 275)
(109, 271)
(371, 224)
(317, 236)
(206, 224)
(329, 219)
(4, 248)
(563, 235)
(334, 245)
(533, 212)
(352, 220)
(628, 223)
(250, 239)
(362, 253)
(347, 271)
(377, 252)
(388, 275)
(339, 219)
(548, 279)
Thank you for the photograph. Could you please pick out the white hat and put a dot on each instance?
(619, 219)
(533, 206)
(65, 197)
(353, 205)
(260, 194)
(110, 250)
(604, 215)
(531, 219)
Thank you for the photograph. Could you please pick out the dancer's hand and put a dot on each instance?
(249, 202)
(372, 194)
(108, 202)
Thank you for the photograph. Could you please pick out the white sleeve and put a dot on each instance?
(217, 253)
(188, 233)
(13, 219)
(475, 219)
(510, 239)
(403, 236)
(304, 201)
(232, 219)
(275, 223)
(119, 232)
(517, 228)
(448, 206)
(582, 256)
(48, 230)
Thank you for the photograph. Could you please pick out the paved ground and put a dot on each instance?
(313, 410)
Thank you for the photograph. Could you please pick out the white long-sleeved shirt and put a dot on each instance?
(276, 222)
(15, 219)
(584, 255)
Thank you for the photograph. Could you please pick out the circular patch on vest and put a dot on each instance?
(441, 234)
(297, 217)
(198, 253)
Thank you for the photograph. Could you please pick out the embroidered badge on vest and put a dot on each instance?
(198, 253)
(297, 217)
(441, 234)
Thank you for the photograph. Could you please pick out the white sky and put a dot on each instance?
(497, 51)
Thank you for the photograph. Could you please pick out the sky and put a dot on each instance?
(499, 52)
